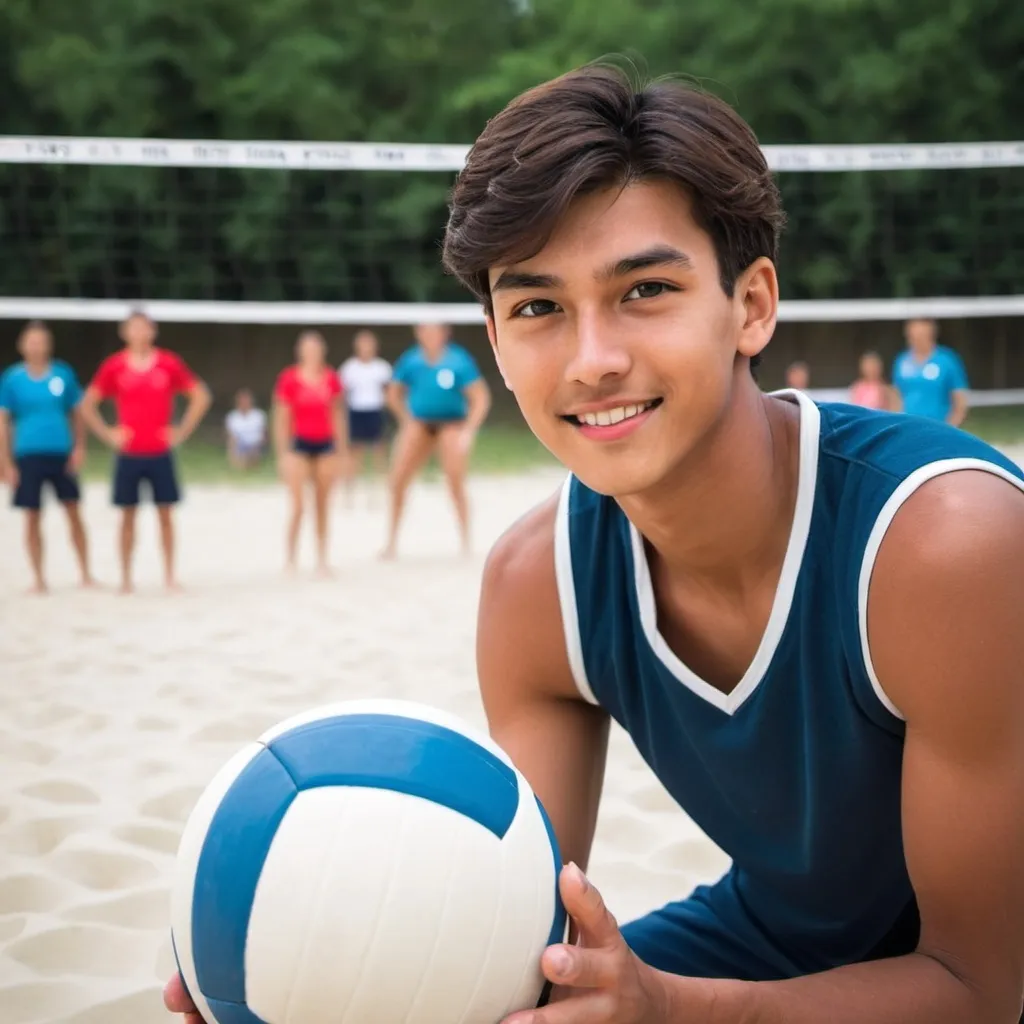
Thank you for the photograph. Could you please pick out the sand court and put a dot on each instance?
(115, 712)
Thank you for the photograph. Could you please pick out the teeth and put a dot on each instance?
(607, 417)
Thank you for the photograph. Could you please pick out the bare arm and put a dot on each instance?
(557, 740)
(199, 401)
(89, 410)
(340, 423)
(282, 428)
(960, 406)
(944, 622)
(396, 400)
(478, 395)
(6, 451)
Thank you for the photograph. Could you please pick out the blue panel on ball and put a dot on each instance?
(233, 1013)
(232, 858)
(558, 924)
(406, 755)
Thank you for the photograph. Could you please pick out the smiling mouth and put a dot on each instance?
(609, 417)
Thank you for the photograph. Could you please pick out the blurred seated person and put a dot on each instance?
(870, 390)
(246, 432)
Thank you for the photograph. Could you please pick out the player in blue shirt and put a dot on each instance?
(42, 442)
(440, 400)
(806, 617)
(930, 378)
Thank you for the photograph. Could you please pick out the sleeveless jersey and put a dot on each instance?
(794, 774)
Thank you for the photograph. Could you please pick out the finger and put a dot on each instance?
(176, 998)
(592, 1008)
(580, 967)
(584, 904)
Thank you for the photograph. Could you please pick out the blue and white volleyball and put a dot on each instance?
(372, 861)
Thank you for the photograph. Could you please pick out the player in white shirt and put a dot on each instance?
(364, 379)
(247, 432)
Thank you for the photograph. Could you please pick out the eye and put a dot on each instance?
(535, 308)
(648, 290)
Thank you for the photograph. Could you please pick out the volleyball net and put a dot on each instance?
(217, 232)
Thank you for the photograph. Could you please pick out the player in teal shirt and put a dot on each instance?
(42, 442)
(440, 400)
(930, 378)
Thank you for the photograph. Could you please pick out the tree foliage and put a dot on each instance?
(800, 71)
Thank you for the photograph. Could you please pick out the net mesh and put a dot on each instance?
(361, 233)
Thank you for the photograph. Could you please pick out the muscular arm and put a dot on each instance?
(557, 740)
(947, 645)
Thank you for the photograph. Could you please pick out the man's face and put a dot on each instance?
(35, 345)
(431, 337)
(139, 333)
(921, 336)
(244, 401)
(617, 338)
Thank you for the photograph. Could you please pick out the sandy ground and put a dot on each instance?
(115, 712)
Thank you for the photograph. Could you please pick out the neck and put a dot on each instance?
(724, 517)
(37, 366)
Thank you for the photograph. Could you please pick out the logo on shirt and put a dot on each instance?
(930, 372)
(445, 379)
(56, 387)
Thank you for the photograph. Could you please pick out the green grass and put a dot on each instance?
(499, 449)
(997, 424)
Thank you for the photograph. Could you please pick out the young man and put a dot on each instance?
(806, 617)
(42, 441)
(142, 381)
(929, 377)
(440, 401)
(364, 378)
(246, 429)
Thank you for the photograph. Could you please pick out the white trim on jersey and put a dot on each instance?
(807, 478)
(567, 595)
(903, 491)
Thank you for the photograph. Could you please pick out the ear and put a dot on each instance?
(757, 306)
(492, 336)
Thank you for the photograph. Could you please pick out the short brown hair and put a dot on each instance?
(592, 129)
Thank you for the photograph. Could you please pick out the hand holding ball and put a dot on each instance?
(368, 861)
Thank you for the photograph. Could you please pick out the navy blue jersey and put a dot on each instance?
(795, 773)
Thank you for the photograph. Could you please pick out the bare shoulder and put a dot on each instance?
(948, 583)
(520, 635)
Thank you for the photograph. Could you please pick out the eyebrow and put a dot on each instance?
(656, 256)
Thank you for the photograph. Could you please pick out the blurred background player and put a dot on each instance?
(870, 390)
(798, 376)
(142, 380)
(309, 437)
(930, 378)
(364, 380)
(246, 428)
(42, 441)
(440, 401)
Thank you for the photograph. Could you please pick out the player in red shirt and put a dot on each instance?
(143, 380)
(310, 435)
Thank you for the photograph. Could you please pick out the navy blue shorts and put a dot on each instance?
(35, 471)
(312, 449)
(365, 426)
(156, 470)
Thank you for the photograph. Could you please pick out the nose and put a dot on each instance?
(600, 353)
